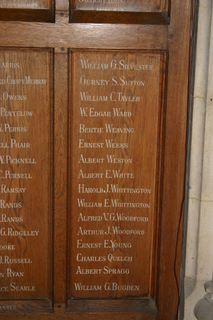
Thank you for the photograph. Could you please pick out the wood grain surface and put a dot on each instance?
(51, 50)
(27, 10)
(120, 11)
(26, 174)
(113, 204)
(25, 4)
(122, 5)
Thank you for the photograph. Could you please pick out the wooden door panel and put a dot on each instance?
(123, 5)
(27, 10)
(114, 175)
(26, 178)
(25, 4)
(120, 11)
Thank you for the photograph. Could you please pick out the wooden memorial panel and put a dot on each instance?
(120, 11)
(25, 180)
(32, 10)
(93, 120)
(115, 131)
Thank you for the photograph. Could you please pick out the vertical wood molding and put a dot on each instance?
(60, 132)
(62, 5)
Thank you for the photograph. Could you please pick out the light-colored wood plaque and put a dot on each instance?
(25, 4)
(122, 5)
(25, 175)
(115, 119)
(27, 10)
(116, 11)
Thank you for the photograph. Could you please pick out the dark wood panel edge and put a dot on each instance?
(89, 16)
(143, 305)
(37, 15)
(8, 307)
(174, 160)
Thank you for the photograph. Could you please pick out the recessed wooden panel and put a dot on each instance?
(117, 11)
(115, 134)
(25, 176)
(32, 10)
(122, 5)
(25, 4)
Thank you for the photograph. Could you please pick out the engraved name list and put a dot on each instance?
(115, 129)
(24, 173)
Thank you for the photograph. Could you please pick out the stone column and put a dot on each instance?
(199, 256)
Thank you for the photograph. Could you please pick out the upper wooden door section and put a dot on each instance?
(27, 10)
(118, 11)
(93, 121)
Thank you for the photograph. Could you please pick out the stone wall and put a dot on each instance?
(199, 247)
